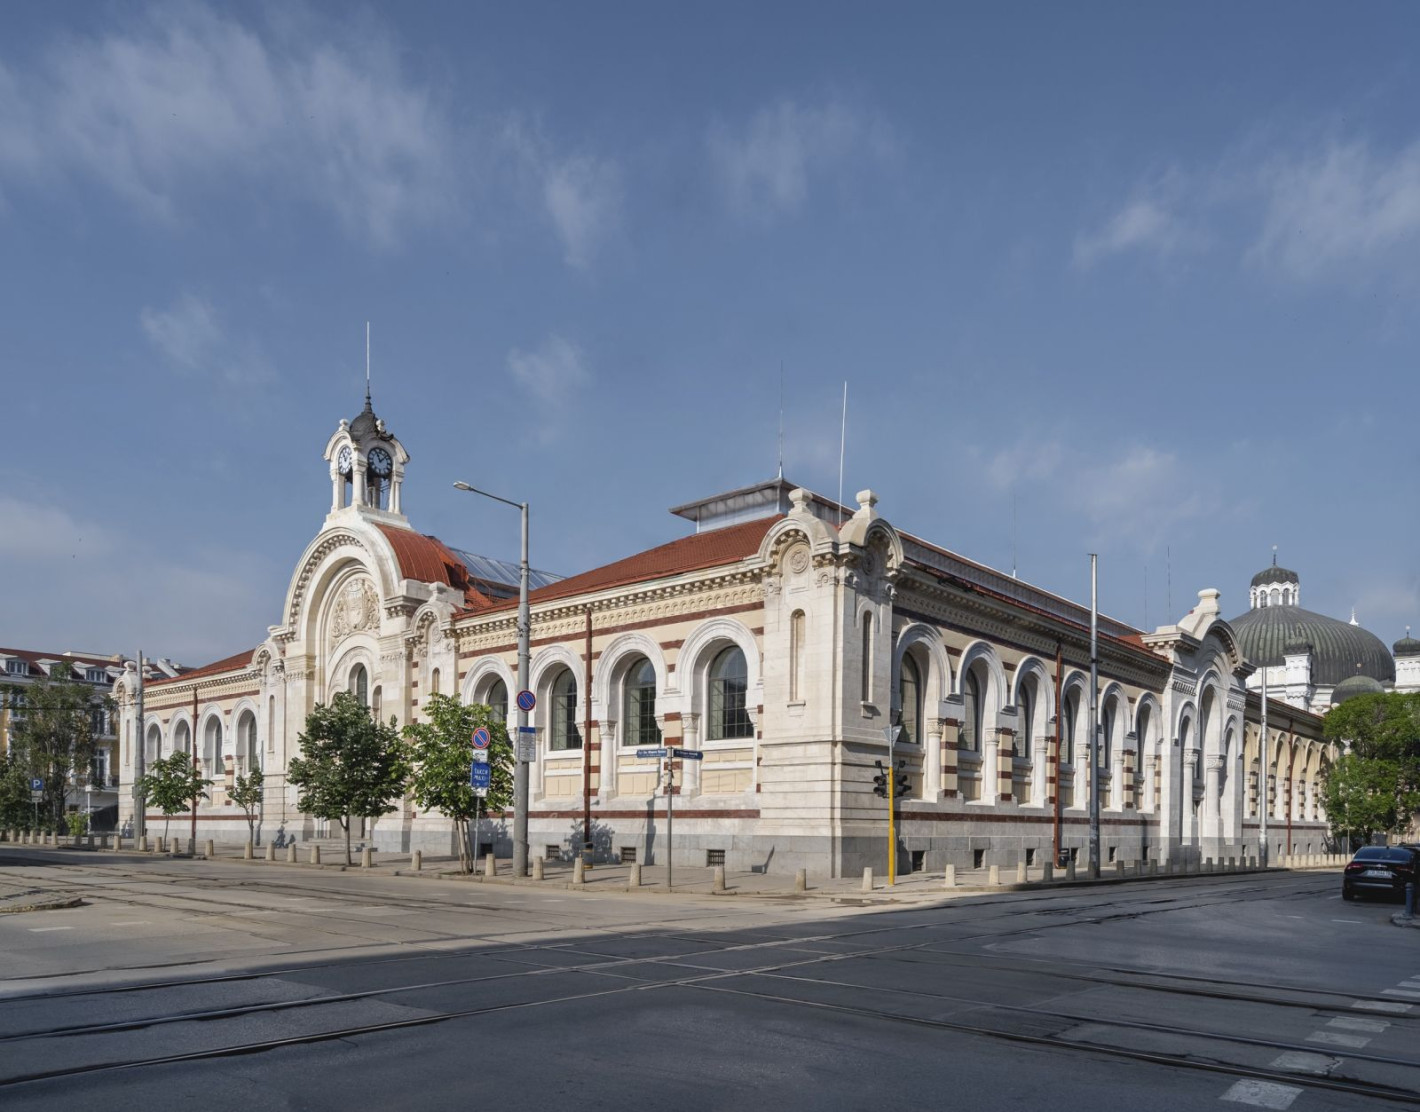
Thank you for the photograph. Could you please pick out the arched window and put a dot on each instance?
(729, 688)
(796, 656)
(154, 747)
(182, 738)
(271, 724)
(377, 702)
(360, 685)
(565, 734)
(1025, 714)
(640, 706)
(496, 700)
(1143, 731)
(212, 746)
(909, 695)
(1276, 596)
(1067, 739)
(248, 753)
(1107, 734)
(867, 676)
(972, 712)
(434, 682)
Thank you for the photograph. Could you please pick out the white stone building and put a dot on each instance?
(779, 639)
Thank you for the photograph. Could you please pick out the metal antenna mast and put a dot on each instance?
(781, 419)
(842, 449)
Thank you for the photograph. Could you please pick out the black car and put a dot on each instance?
(1383, 869)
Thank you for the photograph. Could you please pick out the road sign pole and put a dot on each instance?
(520, 767)
(891, 732)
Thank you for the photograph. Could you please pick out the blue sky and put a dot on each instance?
(1147, 273)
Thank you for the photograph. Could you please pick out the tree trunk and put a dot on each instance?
(461, 828)
(346, 824)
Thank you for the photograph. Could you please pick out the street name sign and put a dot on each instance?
(650, 752)
(688, 754)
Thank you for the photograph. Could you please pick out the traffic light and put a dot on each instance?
(880, 783)
(899, 784)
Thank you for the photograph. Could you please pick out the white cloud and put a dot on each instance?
(767, 165)
(185, 96)
(555, 370)
(36, 530)
(583, 196)
(1130, 492)
(1338, 207)
(190, 336)
(1149, 223)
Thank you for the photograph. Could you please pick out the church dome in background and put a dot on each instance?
(1276, 625)
(1407, 645)
(1355, 685)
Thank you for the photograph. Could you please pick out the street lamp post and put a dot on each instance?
(520, 766)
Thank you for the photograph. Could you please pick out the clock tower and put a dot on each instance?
(367, 469)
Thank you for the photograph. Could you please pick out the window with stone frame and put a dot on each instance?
(729, 691)
(564, 732)
(639, 706)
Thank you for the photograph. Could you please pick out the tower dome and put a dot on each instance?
(1355, 685)
(1407, 645)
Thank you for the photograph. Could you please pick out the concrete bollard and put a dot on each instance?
(141, 843)
(367, 858)
(801, 881)
(271, 851)
(579, 871)
(490, 865)
(162, 846)
(539, 867)
(291, 854)
(867, 879)
(1021, 874)
(1070, 870)
(209, 850)
(416, 860)
(951, 877)
(315, 855)
(634, 879)
(248, 850)
(1047, 872)
(718, 884)
(993, 875)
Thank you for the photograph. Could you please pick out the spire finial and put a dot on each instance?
(1274, 547)
(367, 364)
(1354, 622)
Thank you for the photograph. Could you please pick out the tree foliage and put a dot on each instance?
(56, 734)
(1375, 787)
(441, 751)
(247, 792)
(17, 811)
(351, 766)
(173, 784)
(1366, 796)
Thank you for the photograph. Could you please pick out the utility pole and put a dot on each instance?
(520, 766)
(140, 800)
(891, 733)
(1094, 718)
(1262, 780)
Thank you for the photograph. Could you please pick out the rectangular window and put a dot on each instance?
(628, 855)
(17, 667)
(714, 857)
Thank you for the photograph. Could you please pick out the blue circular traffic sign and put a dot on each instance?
(481, 738)
(526, 700)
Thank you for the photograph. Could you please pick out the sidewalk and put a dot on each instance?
(608, 879)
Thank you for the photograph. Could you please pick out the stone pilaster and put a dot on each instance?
(1005, 765)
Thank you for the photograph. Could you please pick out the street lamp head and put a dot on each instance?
(462, 486)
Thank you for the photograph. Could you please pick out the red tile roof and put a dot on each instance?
(694, 553)
(217, 667)
(429, 560)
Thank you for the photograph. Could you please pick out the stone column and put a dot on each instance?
(1213, 797)
(1004, 766)
(1189, 827)
(1129, 796)
(690, 739)
(1146, 801)
(951, 782)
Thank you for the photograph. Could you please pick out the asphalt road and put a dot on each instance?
(216, 986)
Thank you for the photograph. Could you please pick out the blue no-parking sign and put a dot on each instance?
(481, 738)
(526, 701)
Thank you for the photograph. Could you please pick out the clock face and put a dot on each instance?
(345, 460)
(380, 462)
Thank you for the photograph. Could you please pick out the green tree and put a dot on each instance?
(1380, 727)
(56, 737)
(441, 750)
(1367, 795)
(246, 793)
(351, 766)
(172, 784)
(17, 811)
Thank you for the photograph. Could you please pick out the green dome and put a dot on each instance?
(1356, 685)
(1407, 645)
(1337, 647)
(1274, 574)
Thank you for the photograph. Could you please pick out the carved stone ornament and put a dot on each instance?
(356, 609)
(799, 559)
